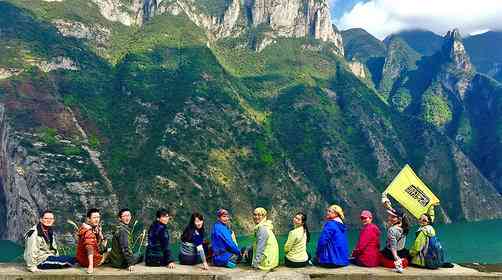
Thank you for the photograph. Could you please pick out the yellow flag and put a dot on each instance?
(411, 192)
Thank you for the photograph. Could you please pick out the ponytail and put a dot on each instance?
(405, 225)
(304, 224)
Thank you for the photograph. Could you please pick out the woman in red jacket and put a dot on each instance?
(367, 251)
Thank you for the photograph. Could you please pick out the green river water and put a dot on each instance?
(479, 242)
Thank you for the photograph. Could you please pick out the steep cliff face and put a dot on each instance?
(457, 71)
(270, 19)
(42, 167)
(304, 18)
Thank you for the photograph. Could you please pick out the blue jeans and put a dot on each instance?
(55, 262)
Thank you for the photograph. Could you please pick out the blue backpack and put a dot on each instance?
(434, 253)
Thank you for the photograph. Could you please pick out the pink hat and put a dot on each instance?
(366, 214)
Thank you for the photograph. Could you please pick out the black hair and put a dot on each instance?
(429, 218)
(90, 211)
(405, 224)
(304, 221)
(122, 211)
(161, 213)
(189, 230)
(42, 214)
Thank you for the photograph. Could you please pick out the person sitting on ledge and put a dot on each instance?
(90, 239)
(422, 255)
(41, 250)
(395, 255)
(157, 250)
(121, 255)
(332, 247)
(264, 254)
(296, 245)
(367, 251)
(192, 249)
(223, 242)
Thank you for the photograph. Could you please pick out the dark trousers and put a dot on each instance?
(291, 264)
(157, 261)
(56, 262)
(189, 260)
(135, 260)
(387, 253)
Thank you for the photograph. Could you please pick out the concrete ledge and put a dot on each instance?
(18, 272)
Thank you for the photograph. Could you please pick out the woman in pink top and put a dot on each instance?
(367, 251)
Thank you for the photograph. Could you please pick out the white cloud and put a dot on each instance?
(383, 17)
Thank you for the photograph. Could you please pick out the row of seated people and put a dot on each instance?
(332, 251)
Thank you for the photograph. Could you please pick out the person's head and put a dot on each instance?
(223, 216)
(47, 218)
(259, 214)
(300, 220)
(196, 223)
(424, 220)
(334, 211)
(162, 216)
(366, 217)
(394, 216)
(397, 217)
(125, 216)
(93, 217)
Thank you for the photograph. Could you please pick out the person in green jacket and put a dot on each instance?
(424, 232)
(296, 245)
(265, 250)
(121, 255)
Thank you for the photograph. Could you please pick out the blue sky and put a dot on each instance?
(384, 17)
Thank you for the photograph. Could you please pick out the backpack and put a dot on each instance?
(434, 253)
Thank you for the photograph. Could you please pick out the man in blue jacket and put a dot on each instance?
(224, 246)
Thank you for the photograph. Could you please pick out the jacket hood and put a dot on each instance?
(266, 223)
(83, 228)
(427, 230)
(342, 227)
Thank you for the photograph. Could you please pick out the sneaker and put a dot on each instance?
(231, 265)
(399, 266)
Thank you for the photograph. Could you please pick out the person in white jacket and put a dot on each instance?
(41, 251)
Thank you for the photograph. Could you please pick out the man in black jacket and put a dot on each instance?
(121, 255)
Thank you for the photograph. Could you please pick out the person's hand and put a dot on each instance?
(205, 266)
(90, 270)
(171, 265)
(131, 268)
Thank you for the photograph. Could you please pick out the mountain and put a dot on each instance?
(196, 105)
(486, 57)
(446, 91)
(422, 41)
(362, 47)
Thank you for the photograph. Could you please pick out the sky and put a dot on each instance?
(384, 17)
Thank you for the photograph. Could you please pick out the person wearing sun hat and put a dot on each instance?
(395, 250)
(332, 247)
(367, 251)
(265, 249)
(224, 246)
